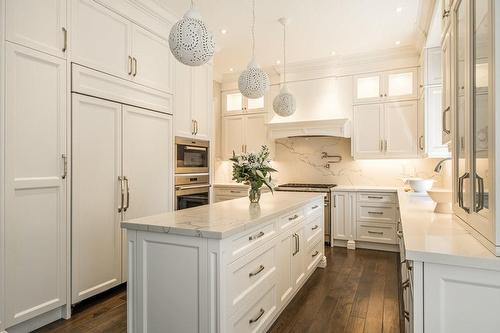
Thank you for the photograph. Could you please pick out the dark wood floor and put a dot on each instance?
(357, 292)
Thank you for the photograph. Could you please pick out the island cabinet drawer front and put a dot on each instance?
(315, 207)
(290, 219)
(241, 245)
(377, 197)
(247, 277)
(313, 230)
(257, 316)
(231, 192)
(313, 256)
(377, 232)
(376, 213)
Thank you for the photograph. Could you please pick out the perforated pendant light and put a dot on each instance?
(253, 82)
(284, 103)
(189, 40)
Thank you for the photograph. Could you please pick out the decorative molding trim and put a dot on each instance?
(325, 127)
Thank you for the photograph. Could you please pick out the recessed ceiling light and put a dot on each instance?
(399, 9)
(278, 62)
(333, 53)
(223, 31)
(231, 69)
(397, 42)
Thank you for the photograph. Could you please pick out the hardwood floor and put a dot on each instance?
(357, 292)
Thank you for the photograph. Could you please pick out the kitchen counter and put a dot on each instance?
(439, 238)
(223, 219)
(359, 188)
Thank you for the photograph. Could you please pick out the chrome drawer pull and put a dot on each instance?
(407, 315)
(315, 227)
(374, 197)
(254, 237)
(256, 319)
(405, 284)
(377, 213)
(238, 192)
(260, 269)
(315, 254)
(399, 233)
(314, 207)
(293, 217)
(375, 232)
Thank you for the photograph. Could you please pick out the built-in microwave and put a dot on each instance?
(191, 191)
(191, 155)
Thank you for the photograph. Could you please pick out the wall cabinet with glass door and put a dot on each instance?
(386, 86)
(234, 103)
(474, 124)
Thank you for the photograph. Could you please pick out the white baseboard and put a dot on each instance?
(352, 245)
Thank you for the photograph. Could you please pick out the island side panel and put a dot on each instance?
(132, 281)
(172, 290)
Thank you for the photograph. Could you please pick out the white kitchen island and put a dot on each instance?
(231, 266)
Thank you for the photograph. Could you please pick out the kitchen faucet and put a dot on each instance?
(439, 166)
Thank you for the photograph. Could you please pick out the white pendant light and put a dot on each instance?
(253, 82)
(284, 103)
(190, 42)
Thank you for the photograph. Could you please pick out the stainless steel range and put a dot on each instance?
(324, 188)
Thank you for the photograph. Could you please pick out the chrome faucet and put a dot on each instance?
(439, 166)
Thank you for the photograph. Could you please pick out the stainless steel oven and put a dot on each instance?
(191, 155)
(191, 191)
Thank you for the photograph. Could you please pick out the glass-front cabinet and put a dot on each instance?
(235, 103)
(474, 119)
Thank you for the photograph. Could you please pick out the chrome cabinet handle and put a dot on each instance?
(238, 192)
(254, 237)
(377, 213)
(65, 166)
(260, 269)
(407, 315)
(480, 184)
(421, 142)
(298, 243)
(374, 197)
(446, 13)
(405, 284)
(295, 236)
(122, 194)
(135, 66)
(461, 191)
(130, 65)
(314, 207)
(375, 232)
(128, 194)
(399, 233)
(315, 227)
(445, 129)
(334, 201)
(196, 127)
(65, 43)
(256, 319)
(315, 254)
(293, 217)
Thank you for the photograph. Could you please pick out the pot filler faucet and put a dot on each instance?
(439, 166)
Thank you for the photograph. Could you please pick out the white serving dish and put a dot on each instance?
(442, 198)
(419, 184)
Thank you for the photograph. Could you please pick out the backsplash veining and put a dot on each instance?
(300, 160)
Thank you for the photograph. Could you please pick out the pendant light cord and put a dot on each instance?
(253, 29)
(284, 54)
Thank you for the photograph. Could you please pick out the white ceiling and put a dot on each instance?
(317, 28)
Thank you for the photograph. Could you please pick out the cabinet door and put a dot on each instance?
(233, 135)
(184, 125)
(285, 249)
(255, 105)
(447, 88)
(202, 101)
(40, 25)
(433, 124)
(232, 103)
(368, 131)
(96, 196)
(298, 257)
(100, 39)
(400, 84)
(152, 60)
(368, 88)
(400, 128)
(433, 66)
(35, 190)
(256, 132)
(342, 219)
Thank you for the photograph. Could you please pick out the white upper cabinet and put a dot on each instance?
(433, 71)
(35, 184)
(385, 86)
(235, 103)
(446, 68)
(184, 125)
(255, 132)
(152, 60)
(368, 130)
(100, 39)
(108, 42)
(233, 135)
(40, 25)
(400, 128)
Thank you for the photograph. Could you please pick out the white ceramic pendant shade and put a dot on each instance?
(190, 41)
(253, 81)
(284, 104)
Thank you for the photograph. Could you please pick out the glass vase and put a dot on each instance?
(254, 194)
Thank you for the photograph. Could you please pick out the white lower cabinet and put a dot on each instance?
(111, 143)
(35, 223)
(242, 282)
(343, 215)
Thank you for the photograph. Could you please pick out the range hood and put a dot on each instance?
(310, 128)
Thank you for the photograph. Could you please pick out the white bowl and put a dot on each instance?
(442, 198)
(419, 184)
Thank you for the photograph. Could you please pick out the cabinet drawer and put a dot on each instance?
(377, 232)
(313, 256)
(290, 219)
(244, 243)
(231, 192)
(249, 275)
(313, 229)
(257, 316)
(377, 197)
(315, 207)
(376, 213)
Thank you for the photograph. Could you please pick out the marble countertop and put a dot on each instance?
(367, 188)
(439, 238)
(223, 219)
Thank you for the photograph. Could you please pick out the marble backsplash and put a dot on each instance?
(300, 160)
